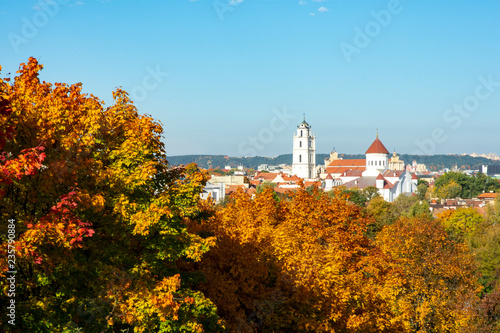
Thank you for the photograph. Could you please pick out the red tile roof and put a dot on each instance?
(389, 184)
(293, 178)
(349, 163)
(393, 173)
(314, 183)
(251, 190)
(377, 147)
(340, 170)
(361, 182)
(352, 173)
(265, 176)
(488, 195)
(329, 176)
(233, 188)
(364, 182)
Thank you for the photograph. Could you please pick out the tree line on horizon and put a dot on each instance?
(433, 162)
(110, 237)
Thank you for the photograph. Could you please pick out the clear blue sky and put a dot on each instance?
(425, 73)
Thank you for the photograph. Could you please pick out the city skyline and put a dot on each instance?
(223, 74)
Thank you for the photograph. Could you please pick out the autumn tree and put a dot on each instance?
(487, 319)
(100, 218)
(381, 213)
(461, 223)
(485, 244)
(354, 195)
(449, 190)
(493, 211)
(433, 287)
(301, 264)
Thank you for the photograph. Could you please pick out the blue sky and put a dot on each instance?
(234, 77)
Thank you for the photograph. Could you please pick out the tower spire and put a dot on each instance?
(377, 133)
(304, 116)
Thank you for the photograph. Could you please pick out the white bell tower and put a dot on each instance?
(304, 152)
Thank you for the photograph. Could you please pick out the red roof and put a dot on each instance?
(313, 183)
(488, 196)
(414, 176)
(380, 176)
(233, 188)
(329, 176)
(393, 173)
(293, 178)
(348, 163)
(352, 173)
(377, 147)
(265, 176)
(255, 182)
(340, 170)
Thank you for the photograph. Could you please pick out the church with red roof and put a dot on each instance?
(371, 171)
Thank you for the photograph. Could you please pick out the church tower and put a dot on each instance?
(304, 152)
(377, 158)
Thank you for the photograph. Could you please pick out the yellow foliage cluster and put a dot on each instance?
(297, 264)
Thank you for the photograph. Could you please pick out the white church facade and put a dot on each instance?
(304, 152)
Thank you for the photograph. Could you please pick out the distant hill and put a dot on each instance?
(435, 162)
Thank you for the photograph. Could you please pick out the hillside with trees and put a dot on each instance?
(433, 162)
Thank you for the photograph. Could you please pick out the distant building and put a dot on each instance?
(372, 171)
(263, 167)
(418, 167)
(395, 163)
(228, 180)
(491, 170)
(216, 191)
(304, 152)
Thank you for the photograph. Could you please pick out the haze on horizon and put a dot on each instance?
(218, 73)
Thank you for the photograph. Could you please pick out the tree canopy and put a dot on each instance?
(100, 217)
(458, 184)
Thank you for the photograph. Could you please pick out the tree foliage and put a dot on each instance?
(301, 264)
(422, 190)
(100, 217)
(461, 223)
(453, 184)
(433, 287)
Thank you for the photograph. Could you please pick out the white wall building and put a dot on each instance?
(304, 152)
(215, 191)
